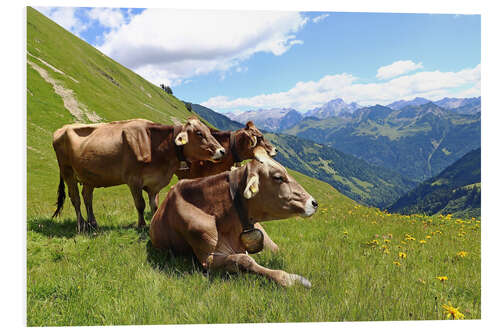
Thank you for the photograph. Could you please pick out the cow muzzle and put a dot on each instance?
(273, 152)
(311, 207)
(219, 154)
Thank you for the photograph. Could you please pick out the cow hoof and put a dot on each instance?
(300, 279)
(93, 224)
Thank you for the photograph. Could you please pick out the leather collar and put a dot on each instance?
(238, 201)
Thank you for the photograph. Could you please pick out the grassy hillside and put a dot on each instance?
(417, 141)
(365, 183)
(100, 86)
(363, 264)
(456, 190)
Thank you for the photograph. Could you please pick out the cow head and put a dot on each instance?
(198, 143)
(272, 193)
(249, 138)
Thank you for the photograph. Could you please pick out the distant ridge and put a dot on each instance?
(456, 190)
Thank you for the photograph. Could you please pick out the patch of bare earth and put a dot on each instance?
(69, 100)
(53, 68)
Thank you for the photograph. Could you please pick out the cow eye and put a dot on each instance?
(199, 133)
(279, 178)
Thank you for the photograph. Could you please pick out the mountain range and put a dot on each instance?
(353, 177)
(417, 141)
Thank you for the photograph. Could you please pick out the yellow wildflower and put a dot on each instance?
(386, 251)
(462, 254)
(442, 278)
(402, 255)
(422, 241)
(397, 263)
(428, 237)
(387, 240)
(450, 311)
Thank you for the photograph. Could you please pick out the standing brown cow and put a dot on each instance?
(239, 146)
(212, 217)
(138, 152)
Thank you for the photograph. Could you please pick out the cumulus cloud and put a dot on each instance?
(165, 45)
(397, 68)
(65, 17)
(320, 18)
(308, 95)
(112, 18)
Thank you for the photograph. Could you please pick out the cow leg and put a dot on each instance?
(243, 262)
(153, 201)
(74, 194)
(268, 242)
(87, 193)
(140, 205)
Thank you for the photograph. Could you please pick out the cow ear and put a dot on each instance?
(250, 125)
(181, 138)
(139, 140)
(252, 187)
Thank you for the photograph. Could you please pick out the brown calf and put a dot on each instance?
(142, 154)
(212, 216)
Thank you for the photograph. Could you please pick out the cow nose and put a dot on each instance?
(314, 203)
(219, 153)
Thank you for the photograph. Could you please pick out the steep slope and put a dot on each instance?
(456, 190)
(353, 177)
(67, 81)
(216, 119)
(417, 141)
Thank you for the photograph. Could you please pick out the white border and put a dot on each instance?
(13, 138)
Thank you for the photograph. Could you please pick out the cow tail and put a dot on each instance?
(61, 196)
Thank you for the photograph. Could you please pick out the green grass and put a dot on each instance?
(114, 276)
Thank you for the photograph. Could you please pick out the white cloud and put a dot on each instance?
(320, 18)
(397, 68)
(107, 17)
(65, 17)
(307, 95)
(169, 46)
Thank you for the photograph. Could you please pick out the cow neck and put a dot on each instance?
(238, 200)
(232, 145)
(179, 150)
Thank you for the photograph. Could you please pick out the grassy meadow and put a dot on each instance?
(363, 264)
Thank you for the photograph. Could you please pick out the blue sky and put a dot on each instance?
(235, 61)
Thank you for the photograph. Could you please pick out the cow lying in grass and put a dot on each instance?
(213, 217)
(239, 146)
(142, 154)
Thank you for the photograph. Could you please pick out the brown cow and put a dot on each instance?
(142, 154)
(212, 217)
(239, 146)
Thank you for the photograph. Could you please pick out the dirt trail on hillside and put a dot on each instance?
(53, 68)
(69, 100)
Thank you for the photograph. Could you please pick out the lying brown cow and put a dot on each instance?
(138, 152)
(239, 146)
(212, 217)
